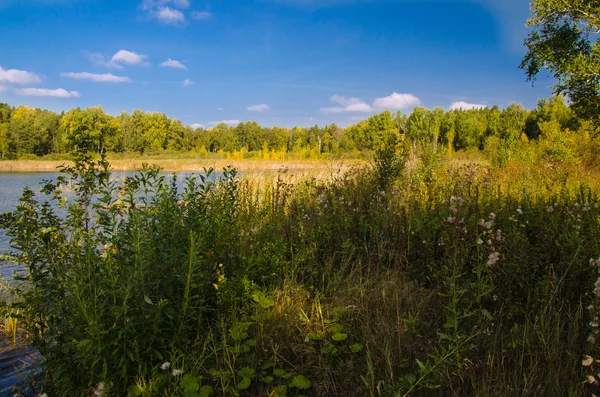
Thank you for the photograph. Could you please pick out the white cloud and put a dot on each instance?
(168, 15)
(2, 88)
(201, 15)
(259, 108)
(396, 101)
(182, 3)
(232, 122)
(347, 105)
(196, 125)
(172, 63)
(98, 78)
(128, 58)
(15, 76)
(43, 92)
(466, 106)
(187, 83)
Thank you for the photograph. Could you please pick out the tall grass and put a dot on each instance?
(380, 280)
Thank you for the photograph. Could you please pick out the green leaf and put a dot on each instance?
(422, 367)
(355, 348)
(338, 337)
(244, 383)
(301, 382)
(487, 315)
(281, 373)
(148, 300)
(267, 379)
(246, 372)
(134, 391)
(190, 384)
(206, 391)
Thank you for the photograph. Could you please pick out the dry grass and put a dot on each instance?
(189, 165)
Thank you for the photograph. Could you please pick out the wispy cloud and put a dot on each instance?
(396, 101)
(201, 15)
(466, 106)
(172, 63)
(187, 83)
(98, 78)
(231, 122)
(347, 105)
(120, 58)
(259, 108)
(21, 77)
(196, 125)
(128, 58)
(43, 92)
(168, 15)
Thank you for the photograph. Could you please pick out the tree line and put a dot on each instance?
(27, 132)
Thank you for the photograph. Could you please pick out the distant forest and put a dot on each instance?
(32, 133)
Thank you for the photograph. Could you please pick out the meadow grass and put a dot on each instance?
(395, 278)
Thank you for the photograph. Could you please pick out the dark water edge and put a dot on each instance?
(18, 364)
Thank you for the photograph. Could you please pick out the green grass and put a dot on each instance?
(383, 280)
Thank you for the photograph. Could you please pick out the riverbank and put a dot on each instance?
(188, 165)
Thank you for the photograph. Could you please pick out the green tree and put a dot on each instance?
(565, 42)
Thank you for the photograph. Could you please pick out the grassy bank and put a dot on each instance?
(189, 165)
(391, 280)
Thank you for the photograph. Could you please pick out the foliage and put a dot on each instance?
(565, 42)
(381, 281)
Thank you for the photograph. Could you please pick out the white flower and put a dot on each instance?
(590, 307)
(493, 258)
(550, 209)
(481, 222)
(520, 211)
(44, 395)
(99, 391)
(492, 215)
(591, 339)
(587, 361)
(450, 219)
(177, 372)
(479, 241)
(166, 366)
(591, 380)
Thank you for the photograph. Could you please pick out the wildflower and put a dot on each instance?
(492, 215)
(44, 395)
(166, 366)
(594, 323)
(489, 224)
(450, 219)
(481, 222)
(99, 391)
(591, 339)
(177, 372)
(489, 242)
(520, 211)
(479, 241)
(576, 205)
(587, 361)
(306, 340)
(591, 380)
(590, 307)
(495, 297)
(550, 209)
(513, 218)
(493, 258)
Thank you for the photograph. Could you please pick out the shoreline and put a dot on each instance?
(186, 165)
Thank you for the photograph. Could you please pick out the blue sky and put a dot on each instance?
(279, 62)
